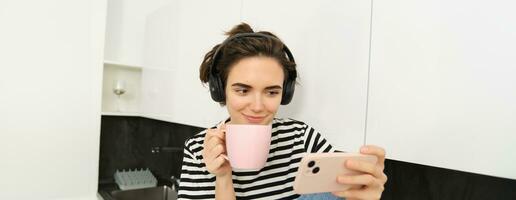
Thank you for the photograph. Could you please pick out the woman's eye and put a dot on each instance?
(273, 93)
(241, 91)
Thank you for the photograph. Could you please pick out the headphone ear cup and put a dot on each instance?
(288, 92)
(216, 89)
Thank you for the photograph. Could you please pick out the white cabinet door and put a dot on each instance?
(125, 29)
(160, 56)
(161, 43)
(442, 89)
(330, 41)
(177, 37)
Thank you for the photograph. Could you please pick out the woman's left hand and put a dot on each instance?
(371, 183)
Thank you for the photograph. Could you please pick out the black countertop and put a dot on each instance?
(107, 186)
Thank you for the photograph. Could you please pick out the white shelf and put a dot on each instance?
(131, 76)
(118, 64)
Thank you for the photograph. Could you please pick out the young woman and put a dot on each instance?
(252, 74)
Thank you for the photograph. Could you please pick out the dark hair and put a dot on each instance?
(245, 47)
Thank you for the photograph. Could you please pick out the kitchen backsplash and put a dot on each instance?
(131, 142)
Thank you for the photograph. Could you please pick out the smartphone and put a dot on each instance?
(318, 172)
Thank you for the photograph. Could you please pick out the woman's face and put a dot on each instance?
(253, 90)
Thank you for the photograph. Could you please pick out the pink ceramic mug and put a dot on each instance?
(248, 145)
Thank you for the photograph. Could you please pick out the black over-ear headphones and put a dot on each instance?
(217, 86)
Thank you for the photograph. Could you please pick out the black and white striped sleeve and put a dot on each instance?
(315, 142)
(195, 182)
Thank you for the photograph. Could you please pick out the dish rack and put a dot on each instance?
(135, 179)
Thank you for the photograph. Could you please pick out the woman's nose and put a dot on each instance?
(257, 104)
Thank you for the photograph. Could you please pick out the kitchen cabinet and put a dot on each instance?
(177, 37)
(158, 48)
(123, 54)
(125, 29)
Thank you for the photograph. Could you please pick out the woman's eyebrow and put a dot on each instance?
(241, 85)
(273, 87)
(248, 86)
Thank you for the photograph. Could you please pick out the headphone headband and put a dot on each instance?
(215, 82)
(241, 35)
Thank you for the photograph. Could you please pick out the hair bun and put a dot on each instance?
(241, 28)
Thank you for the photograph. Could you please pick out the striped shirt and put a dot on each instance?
(289, 141)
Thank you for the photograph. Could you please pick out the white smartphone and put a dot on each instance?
(318, 172)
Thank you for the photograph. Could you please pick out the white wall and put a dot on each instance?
(330, 42)
(51, 73)
(442, 90)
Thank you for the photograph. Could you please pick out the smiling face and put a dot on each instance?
(253, 90)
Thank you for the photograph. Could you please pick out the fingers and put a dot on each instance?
(215, 165)
(212, 142)
(215, 152)
(218, 133)
(372, 181)
(213, 137)
(222, 125)
(375, 151)
(366, 167)
(359, 194)
(363, 179)
(213, 148)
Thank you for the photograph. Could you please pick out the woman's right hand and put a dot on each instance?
(213, 152)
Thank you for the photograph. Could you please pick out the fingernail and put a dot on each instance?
(220, 125)
(364, 149)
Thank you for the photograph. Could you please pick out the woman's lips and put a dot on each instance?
(254, 119)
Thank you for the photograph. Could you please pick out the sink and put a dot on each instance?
(153, 193)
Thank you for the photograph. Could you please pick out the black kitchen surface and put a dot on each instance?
(128, 143)
(408, 181)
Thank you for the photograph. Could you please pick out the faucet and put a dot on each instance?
(156, 150)
(175, 183)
